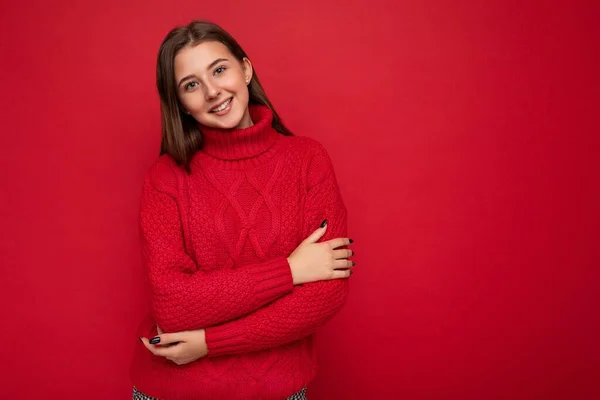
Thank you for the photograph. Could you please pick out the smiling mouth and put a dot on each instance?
(222, 106)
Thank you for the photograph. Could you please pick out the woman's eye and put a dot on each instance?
(220, 70)
(188, 85)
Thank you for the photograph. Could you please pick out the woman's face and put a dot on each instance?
(212, 85)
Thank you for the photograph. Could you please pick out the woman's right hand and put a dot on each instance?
(312, 261)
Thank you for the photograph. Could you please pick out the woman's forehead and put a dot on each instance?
(201, 55)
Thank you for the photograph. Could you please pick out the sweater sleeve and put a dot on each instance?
(310, 305)
(183, 296)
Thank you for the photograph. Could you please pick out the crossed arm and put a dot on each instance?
(256, 306)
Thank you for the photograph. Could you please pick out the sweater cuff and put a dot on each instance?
(225, 339)
(273, 279)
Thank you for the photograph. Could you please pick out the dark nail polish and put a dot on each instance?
(351, 241)
(353, 263)
(155, 340)
(323, 223)
(350, 272)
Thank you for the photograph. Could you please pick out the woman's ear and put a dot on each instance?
(248, 71)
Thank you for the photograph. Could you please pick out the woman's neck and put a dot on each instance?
(238, 144)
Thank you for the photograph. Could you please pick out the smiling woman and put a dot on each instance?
(214, 93)
(243, 231)
(200, 67)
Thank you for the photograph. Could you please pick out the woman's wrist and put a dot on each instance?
(290, 262)
(204, 349)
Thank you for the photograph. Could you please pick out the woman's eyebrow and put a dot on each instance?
(212, 64)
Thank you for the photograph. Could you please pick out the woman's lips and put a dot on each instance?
(225, 110)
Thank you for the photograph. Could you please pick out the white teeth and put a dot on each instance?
(222, 106)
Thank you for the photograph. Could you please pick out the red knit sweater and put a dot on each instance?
(215, 246)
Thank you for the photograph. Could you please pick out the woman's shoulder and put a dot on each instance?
(305, 144)
(162, 173)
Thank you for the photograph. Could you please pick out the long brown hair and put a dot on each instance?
(181, 136)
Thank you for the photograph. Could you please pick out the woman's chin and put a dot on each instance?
(229, 121)
(218, 123)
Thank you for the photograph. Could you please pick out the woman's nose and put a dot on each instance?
(211, 91)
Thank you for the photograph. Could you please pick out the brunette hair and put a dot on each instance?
(181, 136)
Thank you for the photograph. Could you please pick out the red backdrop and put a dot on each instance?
(464, 137)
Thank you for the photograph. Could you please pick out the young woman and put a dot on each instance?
(243, 232)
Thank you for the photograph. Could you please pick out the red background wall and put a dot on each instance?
(464, 136)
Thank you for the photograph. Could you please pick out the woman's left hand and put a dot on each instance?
(180, 347)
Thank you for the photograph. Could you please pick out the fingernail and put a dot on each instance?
(323, 223)
(350, 272)
(155, 340)
(353, 263)
(351, 241)
(141, 340)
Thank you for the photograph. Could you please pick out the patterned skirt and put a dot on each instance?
(137, 395)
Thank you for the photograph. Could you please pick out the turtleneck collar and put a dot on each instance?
(238, 144)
